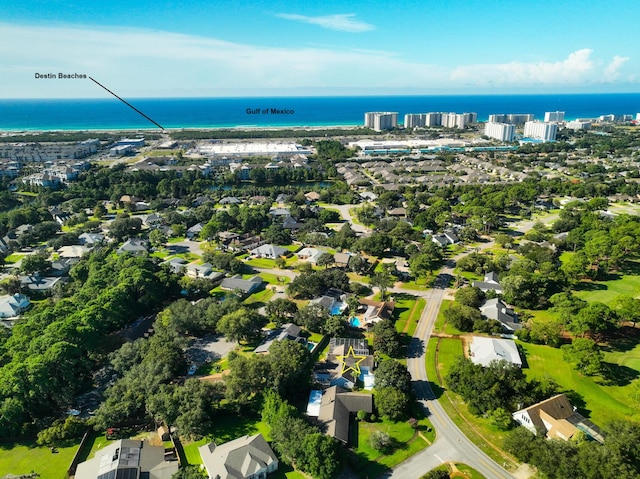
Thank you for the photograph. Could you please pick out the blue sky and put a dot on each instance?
(253, 48)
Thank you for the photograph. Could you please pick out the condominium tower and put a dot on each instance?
(540, 130)
(381, 120)
(500, 131)
(557, 116)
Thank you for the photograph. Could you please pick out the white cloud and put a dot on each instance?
(143, 63)
(612, 71)
(578, 67)
(343, 22)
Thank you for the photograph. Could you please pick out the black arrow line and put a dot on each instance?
(127, 103)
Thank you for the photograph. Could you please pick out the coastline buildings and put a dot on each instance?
(381, 120)
(578, 124)
(540, 130)
(500, 131)
(554, 116)
(512, 118)
(448, 120)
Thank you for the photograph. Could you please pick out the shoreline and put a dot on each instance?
(7, 132)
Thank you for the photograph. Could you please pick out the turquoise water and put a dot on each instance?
(354, 322)
(110, 113)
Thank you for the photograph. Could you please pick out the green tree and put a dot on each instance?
(393, 374)
(325, 259)
(157, 238)
(470, 296)
(383, 281)
(585, 356)
(35, 262)
(392, 403)
(386, 339)
(241, 325)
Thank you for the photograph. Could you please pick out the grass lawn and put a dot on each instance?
(368, 462)
(261, 263)
(261, 296)
(25, 457)
(14, 258)
(227, 428)
(438, 327)
(479, 430)
(606, 291)
(468, 471)
(598, 401)
(407, 313)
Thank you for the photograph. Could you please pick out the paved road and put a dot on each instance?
(344, 212)
(451, 444)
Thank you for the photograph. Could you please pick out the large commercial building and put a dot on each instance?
(381, 120)
(500, 131)
(540, 130)
(554, 116)
(578, 124)
(413, 120)
(513, 118)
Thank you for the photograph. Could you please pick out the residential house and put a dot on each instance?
(73, 251)
(202, 271)
(310, 255)
(248, 457)
(312, 196)
(557, 419)
(347, 362)
(269, 251)
(496, 309)
(61, 267)
(334, 406)
(485, 350)
(177, 264)
(341, 260)
(230, 200)
(398, 212)
(194, 231)
(440, 239)
(134, 246)
(245, 286)
(287, 331)
(490, 283)
(128, 459)
(14, 305)
(39, 284)
(91, 239)
(375, 311)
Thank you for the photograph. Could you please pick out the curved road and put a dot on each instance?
(451, 445)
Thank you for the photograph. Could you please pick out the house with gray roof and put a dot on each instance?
(14, 305)
(336, 407)
(485, 350)
(496, 309)
(490, 283)
(269, 251)
(287, 331)
(134, 246)
(246, 286)
(248, 457)
(128, 459)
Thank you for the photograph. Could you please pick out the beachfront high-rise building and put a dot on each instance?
(471, 117)
(578, 124)
(500, 131)
(512, 118)
(540, 130)
(637, 116)
(412, 120)
(433, 118)
(557, 116)
(381, 120)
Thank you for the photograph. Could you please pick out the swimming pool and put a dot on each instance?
(354, 322)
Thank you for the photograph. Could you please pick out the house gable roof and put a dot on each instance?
(238, 459)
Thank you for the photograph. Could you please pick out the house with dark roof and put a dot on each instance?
(246, 286)
(248, 457)
(128, 459)
(347, 362)
(194, 231)
(496, 309)
(375, 311)
(557, 419)
(490, 283)
(288, 331)
(336, 406)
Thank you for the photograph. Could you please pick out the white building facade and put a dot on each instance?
(500, 131)
(556, 116)
(381, 120)
(540, 130)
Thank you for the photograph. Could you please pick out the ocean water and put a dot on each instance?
(111, 113)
